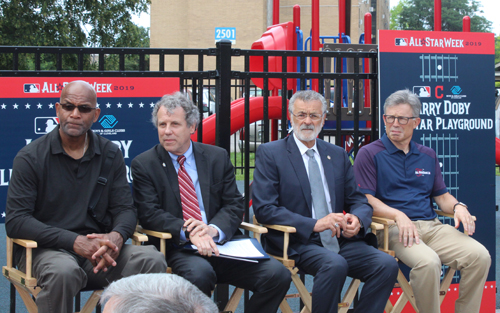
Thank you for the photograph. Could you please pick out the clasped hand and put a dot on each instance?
(100, 249)
(201, 235)
(347, 225)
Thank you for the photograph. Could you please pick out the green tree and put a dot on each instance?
(69, 23)
(419, 15)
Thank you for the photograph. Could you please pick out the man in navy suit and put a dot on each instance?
(164, 203)
(311, 190)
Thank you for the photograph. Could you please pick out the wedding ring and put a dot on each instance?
(336, 224)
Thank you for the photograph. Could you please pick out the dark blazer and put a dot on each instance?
(157, 197)
(282, 194)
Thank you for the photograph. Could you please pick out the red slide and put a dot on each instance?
(497, 150)
(238, 116)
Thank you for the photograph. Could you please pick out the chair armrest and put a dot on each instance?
(156, 234)
(383, 220)
(376, 226)
(138, 237)
(281, 228)
(439, 212)
(27, 243)
(253, 228)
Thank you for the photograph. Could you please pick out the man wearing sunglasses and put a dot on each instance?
(400, 179)
(52, 185)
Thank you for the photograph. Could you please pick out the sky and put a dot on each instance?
(491, 10)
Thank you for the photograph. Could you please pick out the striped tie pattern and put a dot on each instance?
(190, 206)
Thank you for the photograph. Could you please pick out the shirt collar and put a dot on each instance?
(302, 147)
(391, 148)
(57, 148)
(188, 154)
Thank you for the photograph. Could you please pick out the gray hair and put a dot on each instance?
(307, 96)
(157, 293)
(174, 101)
(404, 97)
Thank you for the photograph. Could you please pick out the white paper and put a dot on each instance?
(239, 248)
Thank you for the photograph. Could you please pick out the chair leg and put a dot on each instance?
(388, 307)
(12, 298)
(285, 307)
(349, 296)
(303, 292)
(92, 302)
(406, 295)
(27, 299)
(445, 283)
(233, 302)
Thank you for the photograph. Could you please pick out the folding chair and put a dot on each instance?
(234, 300)
(304, 294)
(26, 285)
(407, 295)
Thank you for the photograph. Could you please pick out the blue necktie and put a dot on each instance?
(319, 201)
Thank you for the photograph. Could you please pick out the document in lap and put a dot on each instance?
(245, 249)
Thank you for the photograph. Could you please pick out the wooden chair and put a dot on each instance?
(26, 285)
(407, 295)
(234, 300)
(303, 293)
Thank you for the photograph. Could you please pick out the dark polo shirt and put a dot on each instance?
(406, 182)
(49, 193)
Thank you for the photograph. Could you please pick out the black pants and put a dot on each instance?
(269, 280)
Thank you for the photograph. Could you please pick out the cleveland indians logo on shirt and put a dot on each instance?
(421, 172)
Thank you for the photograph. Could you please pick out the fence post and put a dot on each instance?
(223, 127)
(223, 99)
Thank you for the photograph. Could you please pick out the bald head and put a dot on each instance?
(81, 87)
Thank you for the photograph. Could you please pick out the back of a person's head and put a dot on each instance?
(156, 293)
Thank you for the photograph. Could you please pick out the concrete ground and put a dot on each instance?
(5, 287)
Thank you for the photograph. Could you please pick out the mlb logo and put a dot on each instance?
(401, 42)
(31, 88)
(422, 91)
(44, 125)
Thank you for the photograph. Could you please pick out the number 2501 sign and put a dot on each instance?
(228, 33)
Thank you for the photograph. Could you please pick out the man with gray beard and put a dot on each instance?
(308, 183)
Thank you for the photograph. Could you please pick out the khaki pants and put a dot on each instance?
(443, 244)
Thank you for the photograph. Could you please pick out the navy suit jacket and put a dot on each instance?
(282, 194)
(157, 196)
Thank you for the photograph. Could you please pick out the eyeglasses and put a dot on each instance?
(81, 108)
(313, 116)
(403, 120)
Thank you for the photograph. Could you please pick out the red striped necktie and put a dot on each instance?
(190, 206)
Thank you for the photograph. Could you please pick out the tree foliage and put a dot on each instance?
(69, 23)
(497, 49)
(419, 15)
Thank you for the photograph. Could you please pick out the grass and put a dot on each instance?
(238, 160)
(497, 171)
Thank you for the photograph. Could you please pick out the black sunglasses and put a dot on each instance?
(81, 108)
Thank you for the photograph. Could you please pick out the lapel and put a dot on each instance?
(300, 170)
(204, 175)
(170, 173)
(329, 170)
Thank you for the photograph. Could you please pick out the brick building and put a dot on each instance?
(192, 23)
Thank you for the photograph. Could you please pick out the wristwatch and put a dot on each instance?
(460, 203)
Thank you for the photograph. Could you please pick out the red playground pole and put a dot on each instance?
(466, 24)
(315, 42)
(341, 19)
(437, 15)
(274, 92)
(368, 40)
(276, 12)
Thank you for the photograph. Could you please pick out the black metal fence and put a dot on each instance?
(347, 82)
